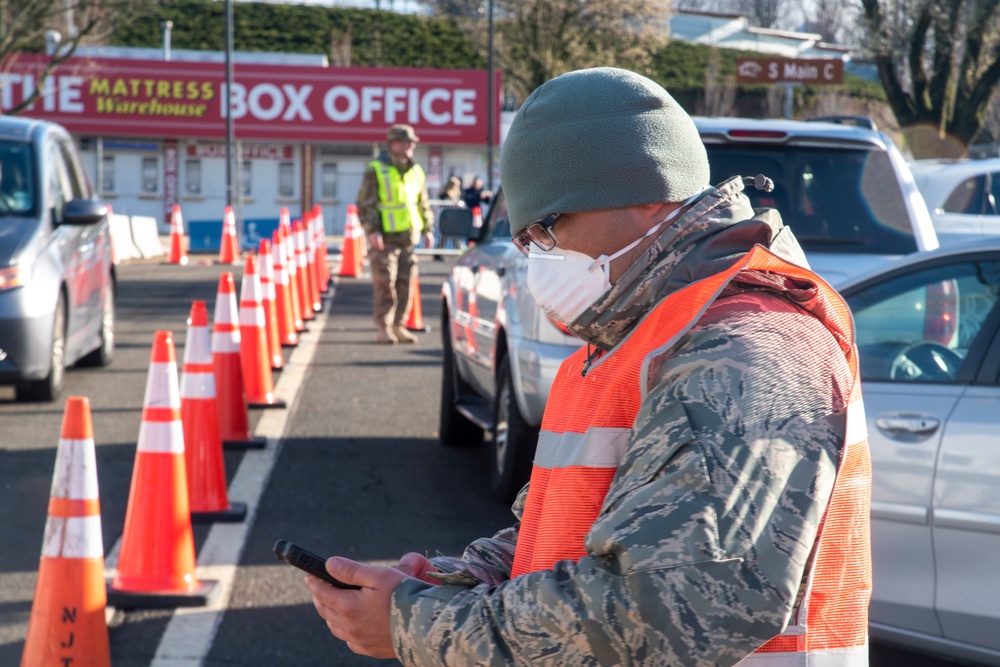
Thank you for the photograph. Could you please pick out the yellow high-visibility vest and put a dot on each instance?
(398, 196)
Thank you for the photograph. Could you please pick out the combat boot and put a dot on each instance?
(403, 335)
(385, 337)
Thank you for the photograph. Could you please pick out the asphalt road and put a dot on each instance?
(357, 471)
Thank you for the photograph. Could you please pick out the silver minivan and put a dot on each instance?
(842, 187)
(57, 278)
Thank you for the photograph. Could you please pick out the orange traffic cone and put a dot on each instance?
(308, 266)
(270, 296)
(229, 251)
(309, 228)
(292, 264)
(415, 320)
(302, 272)
(287, 331)
(156, 561)
(477, 222)
(230, 392)
(322, 258)
(178, 250)
(254, 355)
(67, 623)
(205, 465)
(350, 260)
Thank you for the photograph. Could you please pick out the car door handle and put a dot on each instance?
(915, 424)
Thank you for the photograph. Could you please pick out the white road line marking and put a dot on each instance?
(189, 634)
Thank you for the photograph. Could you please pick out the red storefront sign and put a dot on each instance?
(153, 98)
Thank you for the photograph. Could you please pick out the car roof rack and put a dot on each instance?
(856, 121)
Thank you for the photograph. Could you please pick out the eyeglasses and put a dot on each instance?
(540, 233)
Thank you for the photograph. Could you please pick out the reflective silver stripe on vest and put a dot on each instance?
(855, 656)
(599, 447)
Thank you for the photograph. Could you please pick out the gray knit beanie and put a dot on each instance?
(598, 139)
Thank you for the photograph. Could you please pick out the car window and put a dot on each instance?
(967, 197)
(74, 173)
(993, 200)
(17, 185)
(499, 224)
(919, 327)
(834, 200)
(57, 182)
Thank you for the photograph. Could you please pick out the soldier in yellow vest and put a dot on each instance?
(393, 209)
(700, 495)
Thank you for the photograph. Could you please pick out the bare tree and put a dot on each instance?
(720, 91)
(536, 40)
(832, 20)
(939, 62)
(775, 14)
(27, 25)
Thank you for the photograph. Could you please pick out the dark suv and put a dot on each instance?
(844, 190)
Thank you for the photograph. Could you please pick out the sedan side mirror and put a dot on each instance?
(84, 212)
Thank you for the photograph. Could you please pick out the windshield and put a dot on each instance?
(834, 200)
(17, 187)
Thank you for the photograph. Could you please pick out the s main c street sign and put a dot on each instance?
(790, 70)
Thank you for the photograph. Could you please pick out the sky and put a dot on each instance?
(391, 5)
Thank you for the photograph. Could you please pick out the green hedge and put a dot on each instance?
(388, 39)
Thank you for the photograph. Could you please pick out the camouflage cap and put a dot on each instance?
(402, 133)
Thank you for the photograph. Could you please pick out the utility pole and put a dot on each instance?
(228, 105)
(490, 100)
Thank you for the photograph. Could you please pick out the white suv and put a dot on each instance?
(844, 190)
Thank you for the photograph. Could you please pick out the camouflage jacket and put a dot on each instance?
(698, 554)
(367, 202)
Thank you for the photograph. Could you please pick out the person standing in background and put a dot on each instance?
(393, 209)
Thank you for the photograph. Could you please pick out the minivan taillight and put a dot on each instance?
(757, 134)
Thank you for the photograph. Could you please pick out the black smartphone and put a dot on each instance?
(306, 561)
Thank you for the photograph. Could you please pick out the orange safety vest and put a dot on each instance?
(586, 429)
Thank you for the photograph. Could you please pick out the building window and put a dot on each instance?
(108, 173)
(192, 176)
(150, 175)
(286, 179)
(245, 178)
(328, 180)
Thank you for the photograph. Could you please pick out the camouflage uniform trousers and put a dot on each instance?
(392, 271)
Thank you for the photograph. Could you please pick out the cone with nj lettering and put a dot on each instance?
(265, 264)
(287, 331)
(230, 391)
(415, 319)
(254, 356)
(156, 562)
(67, 623)
(229, 251)
(205, 464)
(178, 249)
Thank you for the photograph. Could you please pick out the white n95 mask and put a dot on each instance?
(566, 282)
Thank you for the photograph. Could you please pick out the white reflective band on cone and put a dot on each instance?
(197, 385)
(75, 475)
(161, 386)
(161, 437)
(73, 537)
(226, 342)
(252, 315)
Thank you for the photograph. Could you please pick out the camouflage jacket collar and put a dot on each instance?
(716, 230)
(402, 166)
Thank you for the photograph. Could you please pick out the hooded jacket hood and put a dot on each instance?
(710, 236)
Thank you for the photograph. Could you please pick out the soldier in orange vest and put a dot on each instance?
(701, 489)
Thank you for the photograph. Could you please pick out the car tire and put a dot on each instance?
(455, 428)
(514, 440)
(49, 388)
(105, 352)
